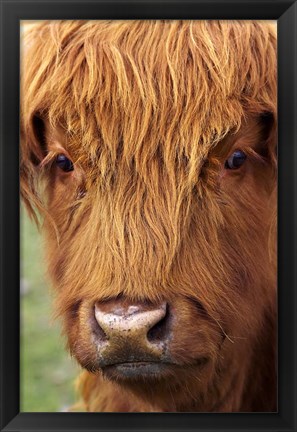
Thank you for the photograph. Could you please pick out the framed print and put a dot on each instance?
(131, 281)
(153, 146)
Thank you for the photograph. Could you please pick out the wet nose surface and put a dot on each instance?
(131, 332)
(137, 319)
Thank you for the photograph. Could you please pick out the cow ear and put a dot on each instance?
(40, 149)
(33, 151)
(269, 122)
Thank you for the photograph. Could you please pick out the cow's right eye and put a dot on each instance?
(235, 160)
(64, 163)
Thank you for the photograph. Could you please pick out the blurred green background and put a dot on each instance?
(47, 370)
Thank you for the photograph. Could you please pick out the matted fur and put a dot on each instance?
(149, 111)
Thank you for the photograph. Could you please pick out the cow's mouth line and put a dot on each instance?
(137, 371)
(141, 363)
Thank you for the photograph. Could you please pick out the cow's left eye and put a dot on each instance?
(64, 163)
(235, 160)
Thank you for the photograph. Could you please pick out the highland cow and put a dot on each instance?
(149, 150)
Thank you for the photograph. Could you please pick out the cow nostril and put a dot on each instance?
(159, 332)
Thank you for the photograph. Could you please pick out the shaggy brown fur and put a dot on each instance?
(149, 111)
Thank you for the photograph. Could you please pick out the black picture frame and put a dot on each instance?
(285, 12)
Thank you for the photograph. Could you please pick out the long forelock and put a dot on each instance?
(142, 87)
